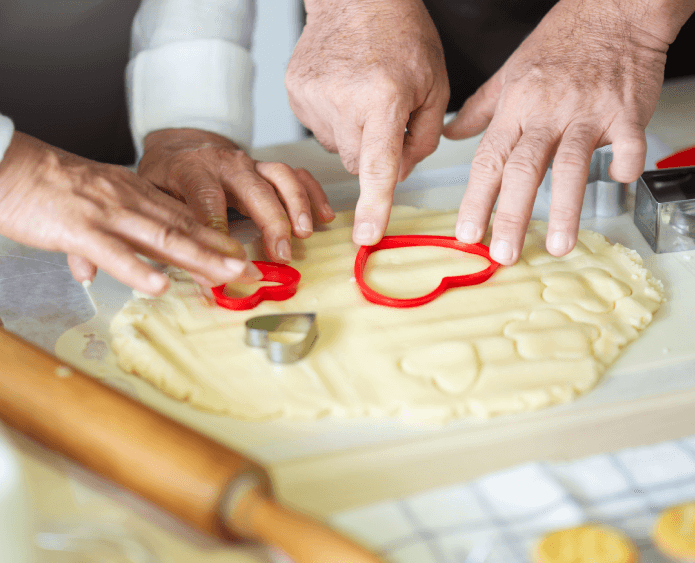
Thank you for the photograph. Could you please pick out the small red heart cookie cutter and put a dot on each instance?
(421, 240)
(285, 275)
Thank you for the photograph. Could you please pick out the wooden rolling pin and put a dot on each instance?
(203, 483)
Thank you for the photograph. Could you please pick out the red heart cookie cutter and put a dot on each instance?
(285, 275)
(421, 240)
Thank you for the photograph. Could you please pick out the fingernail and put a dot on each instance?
(157, 281)
(305, 223)
(253, 272)
(234, 266)
(501, 251)
(284, 250)
(559, 242)
(364, 233)
(328, 210)
(467, 232)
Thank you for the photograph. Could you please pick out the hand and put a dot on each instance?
(103, 216)
(361, 73)
(210, 172)
(589, 75)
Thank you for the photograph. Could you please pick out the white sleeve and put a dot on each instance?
(191, 67)
(6, 132)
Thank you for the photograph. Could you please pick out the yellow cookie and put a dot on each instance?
(674, 533)
(591, 543)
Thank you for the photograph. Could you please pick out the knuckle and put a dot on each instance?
(256, 190)
(378, 169)
(487, 166)
(563, 214)
(351, 162)
(166, 236)
(507, 225)
(277, 168)
(522, 168)
(187, 224)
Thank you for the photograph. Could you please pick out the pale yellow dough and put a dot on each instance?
(536, 334)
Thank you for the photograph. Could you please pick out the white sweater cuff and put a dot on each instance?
(201, 84)
(6, 132)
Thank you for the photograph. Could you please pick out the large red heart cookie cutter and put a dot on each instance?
(287, 276)
(421, 240)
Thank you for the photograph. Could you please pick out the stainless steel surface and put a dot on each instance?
(665, 209)
(39, 299)
(286, 337)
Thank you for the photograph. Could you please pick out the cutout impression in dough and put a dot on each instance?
(535, 334)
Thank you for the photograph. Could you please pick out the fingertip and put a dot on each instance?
(326, 212)
(283, 251)
(468, 232)
(503, 252)
(82, 269)
(366, 233)
(629, 153)
(559, 243)
(156, 284)
(304, 226)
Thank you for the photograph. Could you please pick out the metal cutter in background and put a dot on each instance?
(603, 197)
(665, 209)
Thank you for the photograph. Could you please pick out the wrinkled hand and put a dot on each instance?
(361, 72)
(589, 75)
(102, 216)
(210, 172)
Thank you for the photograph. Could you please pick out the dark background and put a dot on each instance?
(62, 63)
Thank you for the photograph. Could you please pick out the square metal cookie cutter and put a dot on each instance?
(603, 197)
(665, 209)
(287, 337)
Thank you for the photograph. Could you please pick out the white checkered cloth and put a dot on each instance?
(499, 517)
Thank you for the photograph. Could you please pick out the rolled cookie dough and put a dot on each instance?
(536, 334)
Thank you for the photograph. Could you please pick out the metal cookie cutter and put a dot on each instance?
(287, 337)
(603, 197)
(665, 209)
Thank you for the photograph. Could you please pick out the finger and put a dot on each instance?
(477, 111)
(292, 193)
(348, 141)
(629, 150)
(81, 268)
(119, 259)
(380, 161)
(318, 198)
(485, 179)
(570, 173)
(265, 209)
(173, 245)
(424, 131)
(163, 209)
(523, 173)
(205, 196)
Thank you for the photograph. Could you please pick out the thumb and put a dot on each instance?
(206, 198)
(477, 111)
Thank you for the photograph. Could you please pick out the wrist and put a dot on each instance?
(23, 161)
(655, 23)
(185, 139)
